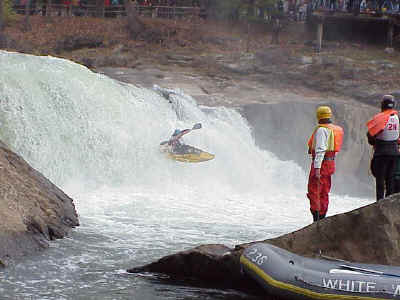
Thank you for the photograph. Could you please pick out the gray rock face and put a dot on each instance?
(33, 211)
(367, 235)
(284, 129)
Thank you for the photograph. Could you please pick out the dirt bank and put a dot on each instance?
(222, 52)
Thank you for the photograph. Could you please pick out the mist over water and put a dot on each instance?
(98, 139)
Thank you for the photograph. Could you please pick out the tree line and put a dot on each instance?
(6, 12)
(219, 9)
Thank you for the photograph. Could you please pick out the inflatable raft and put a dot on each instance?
(290, 276)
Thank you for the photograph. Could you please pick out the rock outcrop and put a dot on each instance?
(33, 211)
(368, 235)
(214, 265)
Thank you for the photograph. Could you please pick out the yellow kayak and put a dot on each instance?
(187, 154)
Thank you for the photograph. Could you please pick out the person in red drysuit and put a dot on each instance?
(323, 145)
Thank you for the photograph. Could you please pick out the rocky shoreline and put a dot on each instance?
(366, 235)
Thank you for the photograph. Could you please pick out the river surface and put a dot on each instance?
(97, 139)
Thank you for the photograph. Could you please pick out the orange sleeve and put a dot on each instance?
(377, 123)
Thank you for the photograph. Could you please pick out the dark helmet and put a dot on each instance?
(176, 132)
(387, 102)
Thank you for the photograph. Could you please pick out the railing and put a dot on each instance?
(359, 6)
(171, 12)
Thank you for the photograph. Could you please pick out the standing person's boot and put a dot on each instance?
(316, 216)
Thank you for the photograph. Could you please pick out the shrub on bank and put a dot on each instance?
(8, 12)
(57, 35)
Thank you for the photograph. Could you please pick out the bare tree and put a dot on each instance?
(2, 21)
(251, 8)
(1, 17)
(135, 25)
(100, 8)
(27, 23)
(49, 3)
(276, 28)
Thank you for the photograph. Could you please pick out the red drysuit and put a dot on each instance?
(324, 187)
(324, 143)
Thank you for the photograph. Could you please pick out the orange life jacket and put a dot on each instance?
(379, 121)
(335, 139)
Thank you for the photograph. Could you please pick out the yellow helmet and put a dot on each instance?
(324, 112)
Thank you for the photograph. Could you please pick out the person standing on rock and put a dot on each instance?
(324, 143)
(383, 135)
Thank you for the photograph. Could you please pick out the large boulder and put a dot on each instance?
(207, 262)
(367, 235)
(215, 265)
(33, 211)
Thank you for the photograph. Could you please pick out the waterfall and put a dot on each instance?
(76, 125)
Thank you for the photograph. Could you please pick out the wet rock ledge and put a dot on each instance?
(33, 211)
(368, 235)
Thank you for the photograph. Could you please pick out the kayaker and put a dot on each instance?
(178, 146)
(175, 144)
(383, 135)
(323, 145)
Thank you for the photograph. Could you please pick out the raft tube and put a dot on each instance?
(290, 276)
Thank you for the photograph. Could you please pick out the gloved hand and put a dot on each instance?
(318, 173)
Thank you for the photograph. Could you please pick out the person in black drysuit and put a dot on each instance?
(385, 143)
(396, 176)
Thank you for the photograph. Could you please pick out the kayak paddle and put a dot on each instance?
(196, 126)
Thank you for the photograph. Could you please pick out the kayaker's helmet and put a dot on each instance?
(324, 112)
(176, 132)
(387, 102)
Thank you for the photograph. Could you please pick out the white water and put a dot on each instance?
(98, 140)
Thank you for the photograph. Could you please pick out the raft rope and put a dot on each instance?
(375, 272)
